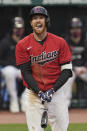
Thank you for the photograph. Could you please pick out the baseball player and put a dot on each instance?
(45, 63)
(7, 60)
(78, 45)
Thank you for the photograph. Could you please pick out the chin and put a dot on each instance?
(39, 32)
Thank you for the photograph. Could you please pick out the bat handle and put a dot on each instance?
(43, 102)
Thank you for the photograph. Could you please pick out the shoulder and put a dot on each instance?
(24, 42)
(57, 39)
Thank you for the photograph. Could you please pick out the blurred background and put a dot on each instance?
(68, 20)
(61, 17)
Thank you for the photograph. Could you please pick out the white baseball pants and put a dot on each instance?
(58, 117)
(10, 74)
(69, 84)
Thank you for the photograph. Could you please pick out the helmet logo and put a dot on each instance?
(39, 10)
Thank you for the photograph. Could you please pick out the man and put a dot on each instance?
(45, 63)
(7, 60)
(78, 46)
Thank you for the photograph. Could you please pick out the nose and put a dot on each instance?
(38, 19)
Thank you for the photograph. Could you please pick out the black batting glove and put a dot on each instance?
(49, 94)
(42, 96)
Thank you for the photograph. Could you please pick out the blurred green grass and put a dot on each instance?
(23, 127)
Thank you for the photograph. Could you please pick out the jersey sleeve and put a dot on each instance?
(22, 56)
(64, 53)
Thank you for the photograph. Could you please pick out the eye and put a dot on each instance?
(34, 17)
(41, 17)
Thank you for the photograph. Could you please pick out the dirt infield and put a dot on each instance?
(76, 116)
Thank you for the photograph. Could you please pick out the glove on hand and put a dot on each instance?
(42, 96)
(49, 94)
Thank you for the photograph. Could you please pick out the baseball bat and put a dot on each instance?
(44, 119)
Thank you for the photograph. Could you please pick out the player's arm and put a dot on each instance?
(27, 75)
(65, 59)
(23, 61)
(66, 73)
(66, 69)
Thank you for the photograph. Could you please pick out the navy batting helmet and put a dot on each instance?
(40, 10)
(75, 22)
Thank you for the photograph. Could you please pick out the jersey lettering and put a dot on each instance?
(44, 57)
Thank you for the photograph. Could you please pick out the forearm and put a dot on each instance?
(27, 75)
(31, 82)
(64, 76)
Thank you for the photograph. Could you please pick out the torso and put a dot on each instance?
(45, 59)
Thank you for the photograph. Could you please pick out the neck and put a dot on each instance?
(40, 37)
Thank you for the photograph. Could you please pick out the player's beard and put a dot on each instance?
(40, 30)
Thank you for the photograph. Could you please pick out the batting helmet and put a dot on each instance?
(40, 10)
(18, 22)
(75, 22)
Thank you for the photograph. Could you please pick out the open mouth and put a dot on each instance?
(38, 26)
